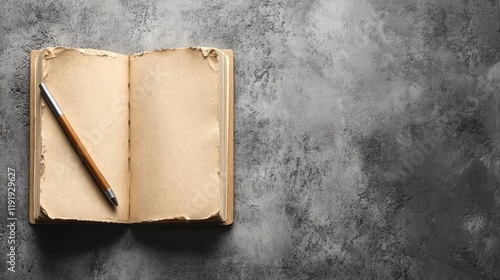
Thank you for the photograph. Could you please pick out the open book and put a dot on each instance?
(158, 124)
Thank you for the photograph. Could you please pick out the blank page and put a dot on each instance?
(174, 135)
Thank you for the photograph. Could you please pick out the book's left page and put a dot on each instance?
(91, 87)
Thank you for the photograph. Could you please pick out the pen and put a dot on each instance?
(78, 144)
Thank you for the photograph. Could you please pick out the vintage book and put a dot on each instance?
(158, 124)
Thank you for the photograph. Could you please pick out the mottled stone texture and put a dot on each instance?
(367, 139)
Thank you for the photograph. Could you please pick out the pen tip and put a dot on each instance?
(115, 202)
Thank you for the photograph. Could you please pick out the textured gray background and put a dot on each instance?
(367, 139)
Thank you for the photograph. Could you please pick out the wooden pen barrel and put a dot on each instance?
(83, 152)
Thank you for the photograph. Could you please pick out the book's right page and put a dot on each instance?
(175, 156)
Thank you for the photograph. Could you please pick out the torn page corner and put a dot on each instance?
(211, 55)
(43, 214)
(208, 51)
(214, 216)
(52, 52)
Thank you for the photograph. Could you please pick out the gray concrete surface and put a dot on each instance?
(367, 140)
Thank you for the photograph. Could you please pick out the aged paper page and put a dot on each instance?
(91, 88)
(174, 132)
